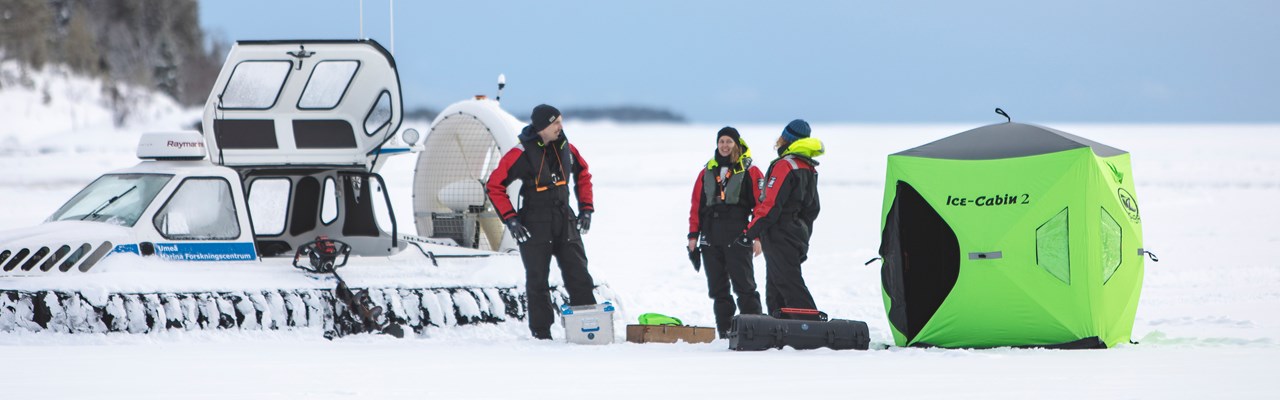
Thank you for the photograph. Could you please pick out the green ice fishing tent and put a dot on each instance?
(1011, 235)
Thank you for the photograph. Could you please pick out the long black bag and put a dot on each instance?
(762, 332)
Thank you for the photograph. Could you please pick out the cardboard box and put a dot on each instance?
(669, 334)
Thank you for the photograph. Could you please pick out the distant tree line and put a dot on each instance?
(623, 114)
(421, 113)
(151, 43)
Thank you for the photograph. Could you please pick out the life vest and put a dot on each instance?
(549, 185)
(723, 186)
(810, 184)
(804, 149)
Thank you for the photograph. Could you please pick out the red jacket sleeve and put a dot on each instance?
(764, 214)
(582, 181)
(757, 184)
(496, 187)
(695, 209)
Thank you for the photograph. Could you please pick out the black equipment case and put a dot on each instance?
(762, 332)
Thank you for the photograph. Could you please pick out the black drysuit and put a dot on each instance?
(723, 199)
(784, 222)
(545, 171)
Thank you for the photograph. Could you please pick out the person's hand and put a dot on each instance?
(693, 243)
(742, 240)
(584, 222)
(518, 231)
(755, 248)
(695, 257)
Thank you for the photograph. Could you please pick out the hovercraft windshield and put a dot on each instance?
(117, 199)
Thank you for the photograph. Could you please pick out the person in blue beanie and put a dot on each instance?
(783, 219)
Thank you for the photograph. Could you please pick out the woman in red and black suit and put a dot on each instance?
(724, 196)
(783, 220)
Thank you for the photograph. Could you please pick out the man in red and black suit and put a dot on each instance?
(545, 225)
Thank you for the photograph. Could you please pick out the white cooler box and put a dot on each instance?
(591, 324)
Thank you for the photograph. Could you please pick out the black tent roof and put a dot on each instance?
(1006, 140)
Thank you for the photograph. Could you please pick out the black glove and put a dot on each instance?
(584, 222)
(743, 240)
(518, 231)
(695, 257)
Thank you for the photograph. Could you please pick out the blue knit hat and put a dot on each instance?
(796, 130)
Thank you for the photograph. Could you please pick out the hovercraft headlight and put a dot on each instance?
(409, 137)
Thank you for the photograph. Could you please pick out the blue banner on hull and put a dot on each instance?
(197, 251)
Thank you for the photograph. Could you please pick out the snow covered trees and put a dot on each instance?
(153, 43)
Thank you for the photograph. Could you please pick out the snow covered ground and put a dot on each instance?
(1207, 323)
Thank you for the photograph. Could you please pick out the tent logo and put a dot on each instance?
(1129, 203)
(989, 201)
(1116, 174)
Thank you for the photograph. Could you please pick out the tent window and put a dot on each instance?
(1053, 249)
(1111, 238)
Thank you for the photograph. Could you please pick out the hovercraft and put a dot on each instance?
(275, 216)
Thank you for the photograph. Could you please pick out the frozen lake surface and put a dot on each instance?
(1207, 323)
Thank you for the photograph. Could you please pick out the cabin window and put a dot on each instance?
(329, 199)
(255, 85)
(323, 134)
(269, 204)
(328, 84)
(305, 206)
(200, 209)
(379, 116)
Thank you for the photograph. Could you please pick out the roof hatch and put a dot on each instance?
(302, 102)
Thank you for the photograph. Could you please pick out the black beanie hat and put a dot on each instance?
(729, 131)
(542, 117)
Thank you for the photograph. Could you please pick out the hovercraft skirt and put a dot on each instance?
(300, 309)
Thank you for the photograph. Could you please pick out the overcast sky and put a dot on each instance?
(832, 61)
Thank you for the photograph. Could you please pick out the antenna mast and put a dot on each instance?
(393, 26)
(502, 82)
(362, 19)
